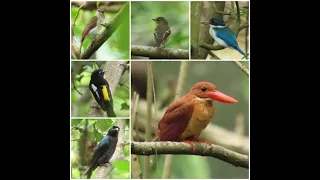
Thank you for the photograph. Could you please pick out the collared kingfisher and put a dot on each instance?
(223, 35)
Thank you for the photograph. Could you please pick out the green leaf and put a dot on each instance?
(122, 165)
(124, 106)
(75, 122)
(95, 66)
(104, 125)
(97, 135)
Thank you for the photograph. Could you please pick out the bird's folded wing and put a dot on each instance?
(175, 120)
(91, 24)
(228, 36)
(101, 148)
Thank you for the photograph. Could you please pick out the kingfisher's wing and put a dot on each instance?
(228, 36)
(175, 119)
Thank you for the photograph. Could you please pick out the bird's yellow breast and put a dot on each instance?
(202, 114)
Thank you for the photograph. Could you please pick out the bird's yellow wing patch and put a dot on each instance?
(105, 93)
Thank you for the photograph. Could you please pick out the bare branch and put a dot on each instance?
(242, 67)
(201, 149)
(110, 28)
(158, 53)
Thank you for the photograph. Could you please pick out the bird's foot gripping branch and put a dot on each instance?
(201, 149)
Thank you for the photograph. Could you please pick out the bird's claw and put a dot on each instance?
(191, 144)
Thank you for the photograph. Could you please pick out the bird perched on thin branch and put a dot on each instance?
(100, 90)
(104, 151)
(92, 27)
(223, 35)
(187, 116)
(161, 32)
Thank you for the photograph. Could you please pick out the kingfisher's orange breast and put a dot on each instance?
(202, 114)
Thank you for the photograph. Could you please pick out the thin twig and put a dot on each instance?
(146, 170)
(201, 149)
(242, 67)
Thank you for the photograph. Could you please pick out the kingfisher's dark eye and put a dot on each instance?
(203, 89)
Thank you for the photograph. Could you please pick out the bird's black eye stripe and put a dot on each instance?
(203, 89)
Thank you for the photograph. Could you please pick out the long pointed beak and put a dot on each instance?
(154, 19)
(219, 96)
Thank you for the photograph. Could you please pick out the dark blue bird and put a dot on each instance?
(223, 35)
(104, 150)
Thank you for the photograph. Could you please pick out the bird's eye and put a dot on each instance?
(203, 89)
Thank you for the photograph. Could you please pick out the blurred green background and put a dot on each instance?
(117, 46)
(81, 103)
(81, 156)
(142, 25)
(230, 80)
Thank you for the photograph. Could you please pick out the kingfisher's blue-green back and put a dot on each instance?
(228, 36)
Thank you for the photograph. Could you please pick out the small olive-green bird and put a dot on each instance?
(162, 31)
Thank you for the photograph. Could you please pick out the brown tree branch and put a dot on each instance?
(208, 13)
(75, 49)
(110, 28)
(103, 171)
(164, 53)
(114, 71)
(196, 7)
(201, 149)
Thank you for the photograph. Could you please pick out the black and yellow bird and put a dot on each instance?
(100, 89)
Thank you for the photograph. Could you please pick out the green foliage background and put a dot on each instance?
(80, 104)
(116, 47)
(230, 80)
(97, 129)
(142, 25)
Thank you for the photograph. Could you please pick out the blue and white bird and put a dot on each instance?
(223, 35)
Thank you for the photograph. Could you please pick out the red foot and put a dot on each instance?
(191, 144)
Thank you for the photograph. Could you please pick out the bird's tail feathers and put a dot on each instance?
(243, 53)
(110, 112)
(89, 172)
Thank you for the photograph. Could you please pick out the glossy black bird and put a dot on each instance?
(104, 150)
(99, 88)
(162, 31)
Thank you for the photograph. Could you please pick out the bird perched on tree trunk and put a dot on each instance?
(223, 35)
(187, 116)
(104, 150)
(92, 27)
(100, 90)
(162, 31)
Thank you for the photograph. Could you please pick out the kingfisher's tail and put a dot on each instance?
(240, 51)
